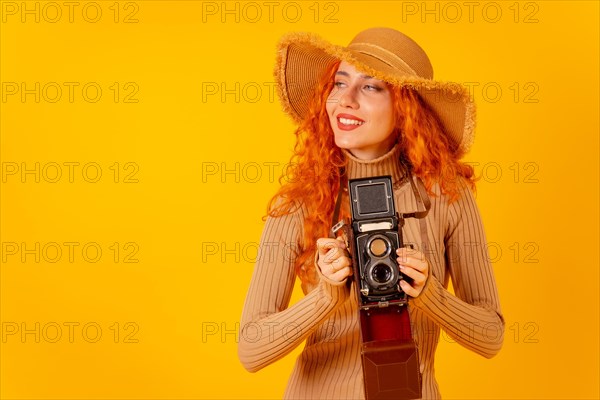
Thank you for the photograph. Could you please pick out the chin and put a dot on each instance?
(346, 137)
(344, 143)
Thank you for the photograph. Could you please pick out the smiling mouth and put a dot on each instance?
(348, 122)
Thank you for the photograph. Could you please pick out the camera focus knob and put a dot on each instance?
(378, 247)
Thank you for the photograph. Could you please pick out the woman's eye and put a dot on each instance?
(373, 88)
(339, 84)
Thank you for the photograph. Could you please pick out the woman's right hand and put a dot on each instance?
(333, 259)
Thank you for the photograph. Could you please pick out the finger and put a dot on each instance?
(341, 274)
(325, 244)
(342, 252)
(339, 269)
(408, 253)
(417, 277)
(405, 252)
(333, 255)
(341, 262)
(418, 263)
(409, 290)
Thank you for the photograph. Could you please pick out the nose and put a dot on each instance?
(347, 98)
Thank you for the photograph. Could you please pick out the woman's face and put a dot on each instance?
(361, 113)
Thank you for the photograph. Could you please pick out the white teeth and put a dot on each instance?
(346, 121)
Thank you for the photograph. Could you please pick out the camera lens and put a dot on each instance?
(378, 247)
(381, 273)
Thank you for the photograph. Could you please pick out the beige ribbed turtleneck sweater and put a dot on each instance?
(327, 317)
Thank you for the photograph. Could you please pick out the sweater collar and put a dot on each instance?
(391, 163)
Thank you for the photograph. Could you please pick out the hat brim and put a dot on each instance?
(303, 57)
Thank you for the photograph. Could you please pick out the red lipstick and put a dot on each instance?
(350, 122)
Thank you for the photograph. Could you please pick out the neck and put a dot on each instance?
(388, 164)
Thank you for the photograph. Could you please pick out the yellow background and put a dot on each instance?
(193, 230)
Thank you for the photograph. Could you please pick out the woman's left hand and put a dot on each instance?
(413, 264)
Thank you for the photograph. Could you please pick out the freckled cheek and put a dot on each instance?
(330, 106)
(330, 118)
(388, 116)
(391, 124)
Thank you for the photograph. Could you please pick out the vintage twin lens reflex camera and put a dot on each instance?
(389, 355)
(374, 234)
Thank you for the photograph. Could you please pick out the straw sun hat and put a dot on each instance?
(383, 53)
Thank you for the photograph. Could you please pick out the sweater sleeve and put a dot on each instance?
(473, 317)
(269, 329)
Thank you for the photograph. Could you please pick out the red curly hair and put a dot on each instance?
(317, 163)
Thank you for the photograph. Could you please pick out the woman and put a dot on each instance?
(367, 110)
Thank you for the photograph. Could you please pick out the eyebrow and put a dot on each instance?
(348, 75)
